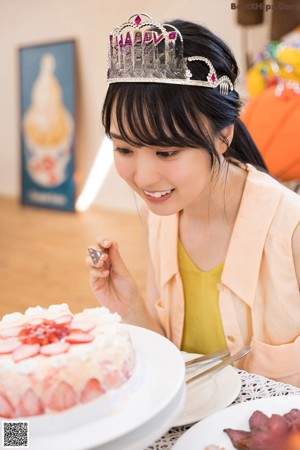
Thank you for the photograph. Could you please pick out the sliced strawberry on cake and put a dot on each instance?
(30, 404)
(6, 408)
(64, 397)
(26, 351)
(91, 390)
(79, 337)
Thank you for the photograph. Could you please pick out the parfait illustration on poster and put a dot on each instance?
(48, 126)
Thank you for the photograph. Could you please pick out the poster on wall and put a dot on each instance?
(47, 125)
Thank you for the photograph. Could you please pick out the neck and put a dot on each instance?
(221, 198)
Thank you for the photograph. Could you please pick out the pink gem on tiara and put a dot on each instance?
(138, 20)
(172, 35)
(145, 51)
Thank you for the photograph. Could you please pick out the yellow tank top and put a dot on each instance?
(203, 329)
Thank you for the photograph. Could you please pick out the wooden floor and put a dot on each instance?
(42, 254)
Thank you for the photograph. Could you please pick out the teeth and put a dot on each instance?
(158, 194)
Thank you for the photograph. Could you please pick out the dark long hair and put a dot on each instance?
(169, 115)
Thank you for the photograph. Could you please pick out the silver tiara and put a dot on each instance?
(145, 51)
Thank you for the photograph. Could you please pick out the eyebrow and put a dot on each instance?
(117, 136)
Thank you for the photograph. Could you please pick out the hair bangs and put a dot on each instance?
(151, 115)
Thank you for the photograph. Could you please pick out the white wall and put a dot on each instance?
(26, 22)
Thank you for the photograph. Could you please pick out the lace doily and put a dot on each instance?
(253, 387)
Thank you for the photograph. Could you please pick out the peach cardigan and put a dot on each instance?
(259, 294)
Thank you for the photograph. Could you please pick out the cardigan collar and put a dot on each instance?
(259, 202)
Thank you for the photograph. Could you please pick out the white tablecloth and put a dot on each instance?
(253, 386)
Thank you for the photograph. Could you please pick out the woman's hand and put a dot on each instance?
(113, 285)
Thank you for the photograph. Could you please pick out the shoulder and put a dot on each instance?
(286, 220)
(274, 210)
(269, 186)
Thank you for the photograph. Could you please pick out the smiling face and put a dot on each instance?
(168, 179)
(165, 146)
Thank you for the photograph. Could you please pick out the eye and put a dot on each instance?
(167, 154)
(122, 150)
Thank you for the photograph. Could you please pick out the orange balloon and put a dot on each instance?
(274, 124)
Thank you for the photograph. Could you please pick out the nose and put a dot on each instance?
(146, 170)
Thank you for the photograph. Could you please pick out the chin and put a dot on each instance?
(160, 210)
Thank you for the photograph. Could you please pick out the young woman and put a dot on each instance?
(223, 236)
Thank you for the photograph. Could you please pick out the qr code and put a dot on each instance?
(15, 434)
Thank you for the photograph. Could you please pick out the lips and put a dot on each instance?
(158, 194)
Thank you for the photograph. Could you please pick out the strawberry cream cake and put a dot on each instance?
(52, 360)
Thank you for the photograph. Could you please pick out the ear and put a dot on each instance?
(225, 139)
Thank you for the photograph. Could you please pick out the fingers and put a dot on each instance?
(99, 266)
(97, 270)
(109, 261)
(105, 243)
(117, 265)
